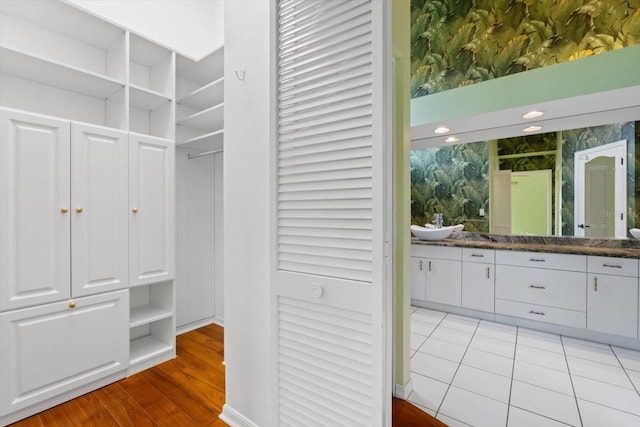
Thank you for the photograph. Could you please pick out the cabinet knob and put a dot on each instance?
(134, 210)
(64, 210)
(79, 210)
(72, 304)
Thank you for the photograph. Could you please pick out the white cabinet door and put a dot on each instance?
(444, 281)
(418, 283)
(478, 286)
(612, 304)
(34, 210)
(99, 210)
(52, 348)
(151, 215)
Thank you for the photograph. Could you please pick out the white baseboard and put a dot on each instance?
(182, 329)
(235, 418)
(403, 391)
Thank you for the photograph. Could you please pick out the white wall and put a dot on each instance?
(193, 28)
(246, 208)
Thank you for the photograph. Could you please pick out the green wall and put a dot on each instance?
(401, 195)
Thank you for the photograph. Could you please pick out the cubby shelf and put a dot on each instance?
(208, 120)
(146, 99)
(147, 314)
(205, 96)
(146, 348)
(43, 70)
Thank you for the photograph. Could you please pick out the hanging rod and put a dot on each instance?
(206, 153)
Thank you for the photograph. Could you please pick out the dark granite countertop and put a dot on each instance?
(622, 248)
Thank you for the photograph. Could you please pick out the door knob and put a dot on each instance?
(72, 304)
(135, 210)
(79, 210)
(64, 210)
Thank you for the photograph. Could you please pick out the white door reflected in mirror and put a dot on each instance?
(600, 191)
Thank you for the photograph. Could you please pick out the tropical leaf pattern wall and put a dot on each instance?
(460, 42)
(454, 181)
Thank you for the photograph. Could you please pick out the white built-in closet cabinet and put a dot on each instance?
(95, 124)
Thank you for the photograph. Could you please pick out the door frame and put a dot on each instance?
(618, 150)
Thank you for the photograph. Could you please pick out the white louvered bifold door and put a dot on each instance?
(329, 228)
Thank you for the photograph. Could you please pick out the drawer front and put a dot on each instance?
(561, 289)
(558, 316)
(439, 252)
(479, 255)
(542, 260)
(616, 266)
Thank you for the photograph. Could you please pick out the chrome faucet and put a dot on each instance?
(437, 220)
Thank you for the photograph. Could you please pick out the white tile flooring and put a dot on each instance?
(470, 372)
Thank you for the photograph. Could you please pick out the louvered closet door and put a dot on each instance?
(329, 267)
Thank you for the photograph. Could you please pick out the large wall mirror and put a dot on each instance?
(573, 181)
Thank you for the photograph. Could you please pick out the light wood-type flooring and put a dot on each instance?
(186, 391)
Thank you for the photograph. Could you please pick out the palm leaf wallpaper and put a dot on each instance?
(460, 42)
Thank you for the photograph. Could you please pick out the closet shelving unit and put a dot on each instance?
(200, 102)
(58, 60)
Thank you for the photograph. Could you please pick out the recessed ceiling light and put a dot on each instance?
(532, 114)
(452, 139)
(532, 128)
(441, 129)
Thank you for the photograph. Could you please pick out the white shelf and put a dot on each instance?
(210, 94)
(214, 139)
(146, 99)
(146, 348)
(52, 73)
(147, 314)
(209, 120)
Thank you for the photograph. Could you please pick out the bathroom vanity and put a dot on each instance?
(584, 288)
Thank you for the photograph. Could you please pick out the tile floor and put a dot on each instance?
(470, 372)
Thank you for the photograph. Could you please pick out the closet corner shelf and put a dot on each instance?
(208, 120)
(147, 314)
(146, 99)
(213, 139)
(44, 70)
(146, 348)
(205, 96)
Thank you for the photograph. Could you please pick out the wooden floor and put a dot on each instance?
(186, 391)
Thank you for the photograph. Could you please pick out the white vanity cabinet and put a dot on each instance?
(612, 296)
(52, 349)
(440, 274)
(542, 286)
(478, 279)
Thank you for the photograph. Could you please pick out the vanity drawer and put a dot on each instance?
(542, 260)
(559, 316)
(439, 252)
(616, 266)
(561, 289)
(479, 255)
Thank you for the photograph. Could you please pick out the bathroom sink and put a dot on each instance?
(424, 233)
(635, 232)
